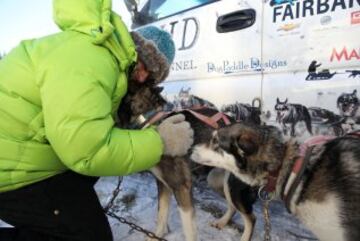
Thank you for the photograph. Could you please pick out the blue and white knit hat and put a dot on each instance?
(156, 50)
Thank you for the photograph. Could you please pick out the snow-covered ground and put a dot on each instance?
(137, 203)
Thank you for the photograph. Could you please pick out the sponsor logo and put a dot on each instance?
(253, 64)
(345, 54)
(355, 17)
(288, 27)
(325, 20)
(285, 10)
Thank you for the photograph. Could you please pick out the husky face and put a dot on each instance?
(282, 109)
(244, 149)
(348, 104)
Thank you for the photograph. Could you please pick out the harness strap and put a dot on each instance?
(212, 121)
(299, 167)
(295, 177)
(272, 180)
(220, 116)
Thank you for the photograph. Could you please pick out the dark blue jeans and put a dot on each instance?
(62, 208)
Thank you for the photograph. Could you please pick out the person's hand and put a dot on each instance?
(176, 134)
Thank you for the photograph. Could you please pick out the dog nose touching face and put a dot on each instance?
(205, 153)
(213, 153)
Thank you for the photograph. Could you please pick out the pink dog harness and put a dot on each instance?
(211, 121)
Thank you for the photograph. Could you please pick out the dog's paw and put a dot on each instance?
(219, 224)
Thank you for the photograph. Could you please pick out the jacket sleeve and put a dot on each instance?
(76, 88)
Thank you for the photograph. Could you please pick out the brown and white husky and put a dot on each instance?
(326, 197)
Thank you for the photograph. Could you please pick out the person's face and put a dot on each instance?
(140, 74)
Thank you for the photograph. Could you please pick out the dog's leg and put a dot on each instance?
(220, 223)
(243, 198)
(164, 194)
(292, 133)
(244, 205)
(284, 128)
(249, 223)
(186, 209)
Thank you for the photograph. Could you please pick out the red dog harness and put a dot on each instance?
(211, 121)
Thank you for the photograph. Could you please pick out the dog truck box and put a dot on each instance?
(290, 63)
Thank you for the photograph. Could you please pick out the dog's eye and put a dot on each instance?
(240, 152)
(280, 108)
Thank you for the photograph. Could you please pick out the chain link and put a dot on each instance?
(136, 227)
(110, 206)
(267, 225)
(115, 193)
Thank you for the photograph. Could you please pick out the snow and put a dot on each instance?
(141, 206)
(137, 203)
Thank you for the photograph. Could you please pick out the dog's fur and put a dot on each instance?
(348, 105)
(327, 199)
(326, 118)
(184, 99)
(239, 196)
(288, 113)
(244, 112)
(174, 174)
(137, 101)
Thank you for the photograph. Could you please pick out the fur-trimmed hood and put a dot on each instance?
(156, 62)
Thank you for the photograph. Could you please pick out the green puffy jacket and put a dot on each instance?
(59, 95)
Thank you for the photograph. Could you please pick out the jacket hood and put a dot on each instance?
(91, 17)
(95, 18)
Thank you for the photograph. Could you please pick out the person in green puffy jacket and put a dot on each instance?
(59, 96)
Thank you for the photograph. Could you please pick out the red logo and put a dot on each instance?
(345, 54)
(355, 17)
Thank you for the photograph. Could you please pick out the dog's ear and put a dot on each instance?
(158, 89)
(247, 142)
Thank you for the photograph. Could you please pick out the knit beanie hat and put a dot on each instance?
(156, 50)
